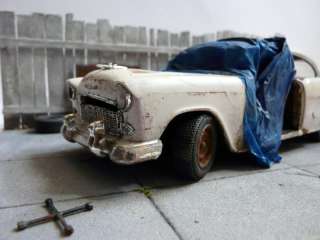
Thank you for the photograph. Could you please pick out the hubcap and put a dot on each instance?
(205, 146)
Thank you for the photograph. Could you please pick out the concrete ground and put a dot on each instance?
(236, 200)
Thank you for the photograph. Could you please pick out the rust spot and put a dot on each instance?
(147, 129)
(91, 86)
(305, 131)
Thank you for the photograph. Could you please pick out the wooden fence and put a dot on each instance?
(39, 51)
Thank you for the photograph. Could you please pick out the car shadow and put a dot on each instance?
(77, 172)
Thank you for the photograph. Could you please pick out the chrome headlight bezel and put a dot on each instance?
(125, 98)
(72, 92)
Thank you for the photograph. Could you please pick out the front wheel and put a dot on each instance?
(193, 146)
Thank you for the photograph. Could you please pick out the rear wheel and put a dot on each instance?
(193, 145)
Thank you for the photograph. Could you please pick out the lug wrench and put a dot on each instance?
(66, 228)
(55, 215)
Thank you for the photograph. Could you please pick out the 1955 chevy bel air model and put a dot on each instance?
(135, 115)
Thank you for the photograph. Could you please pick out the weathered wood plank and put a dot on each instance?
(25, 25)
(104, 31)
(154, 61)
(162, 61)
(74, 30)
(131, 35)
(10, 83)
(69, 63)
(143, 60)
(162, 38)
(30, 26)
(58, 99)
(7, 24)
(118, 34)
(142, 36)
(54, 27)
(39, 79)
(152, 40)
(39, 32)
(26, 77)
(39, 25)
(9, 71)
(185, 39)
(91, 36)
(174, 40)
(91, 32)
(132, 60)
(56, 82)
(93, 57)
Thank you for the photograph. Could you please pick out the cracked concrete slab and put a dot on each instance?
(77, 174)
(300, 151)
(154, 174)
(237, 199)
(269, 205)
(122, 216)
(21, 145)
(313, 169)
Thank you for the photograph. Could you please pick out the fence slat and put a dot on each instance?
(39, 79)
(56, 82)
(162, 38)
(7, 24)
(104, 31)
(39, 32)
(10, 83)
(26, 77)
(74, 29)
(142, 36)
(174, 39)
(91, 32)
(185, 39)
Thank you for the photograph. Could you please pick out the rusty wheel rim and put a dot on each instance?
(205, 146)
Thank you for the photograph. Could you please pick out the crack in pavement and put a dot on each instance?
(159, 210)
(310, 173)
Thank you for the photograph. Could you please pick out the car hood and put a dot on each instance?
(144, 82)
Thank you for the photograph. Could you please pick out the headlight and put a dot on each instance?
(124, 99)
(72, 92)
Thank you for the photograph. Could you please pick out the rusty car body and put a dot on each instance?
(124, 113)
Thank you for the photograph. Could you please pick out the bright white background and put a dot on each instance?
(296, 19)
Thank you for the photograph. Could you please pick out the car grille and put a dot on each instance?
(112, 119)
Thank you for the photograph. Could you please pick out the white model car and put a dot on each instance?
(134, 115)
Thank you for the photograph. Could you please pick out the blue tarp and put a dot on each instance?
(266, 68)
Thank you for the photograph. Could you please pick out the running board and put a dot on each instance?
(291, 134)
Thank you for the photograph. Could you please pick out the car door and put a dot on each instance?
(308, 74)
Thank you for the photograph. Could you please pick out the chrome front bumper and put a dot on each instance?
(119, 151)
